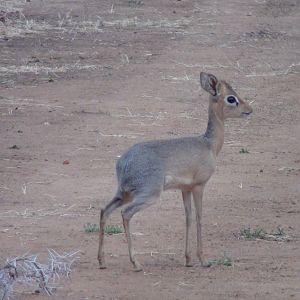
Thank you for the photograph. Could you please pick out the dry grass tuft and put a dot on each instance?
(40, 69)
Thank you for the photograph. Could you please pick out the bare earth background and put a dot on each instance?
(84, 80)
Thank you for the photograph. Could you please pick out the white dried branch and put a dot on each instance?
(145, 116)
(292, 69)
(155, 252)
(207, 67)
(38, 69)
(112, 9)
(28, 102)
(40, 213)
(27, 270)
(178, 78)
(130, 136)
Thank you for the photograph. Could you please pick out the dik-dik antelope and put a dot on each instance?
(187, 163)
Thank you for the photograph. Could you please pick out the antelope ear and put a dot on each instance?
(209, 83)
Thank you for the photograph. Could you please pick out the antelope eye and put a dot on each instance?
(232, 100)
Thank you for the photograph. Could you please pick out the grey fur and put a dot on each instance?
(187, 163)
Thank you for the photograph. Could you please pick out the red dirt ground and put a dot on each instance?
(84, 80)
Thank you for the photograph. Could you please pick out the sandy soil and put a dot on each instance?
(83, 80)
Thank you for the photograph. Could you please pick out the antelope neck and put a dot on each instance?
(215, 128)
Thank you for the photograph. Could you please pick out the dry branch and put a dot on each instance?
(27, 270)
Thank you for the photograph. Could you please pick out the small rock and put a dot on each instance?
(33, 59)
(14, 147)
(66, 162)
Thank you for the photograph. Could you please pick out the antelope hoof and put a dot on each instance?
(102, 267)
(101, 264)
(137, 267)
(189, 264)
(204, 264)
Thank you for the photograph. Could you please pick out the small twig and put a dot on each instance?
(112, 9)
(185, 284)
(205, 67)
(131, 136)
(156, 252)
(125, 58)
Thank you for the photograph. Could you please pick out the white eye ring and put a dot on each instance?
(232, 100)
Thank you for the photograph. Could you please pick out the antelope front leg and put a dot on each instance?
(197, 196)
(186, 196)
